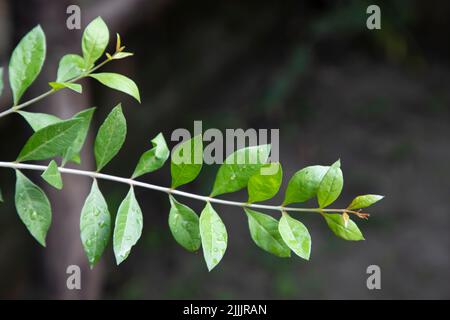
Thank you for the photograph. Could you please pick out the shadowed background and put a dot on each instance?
(378, 100)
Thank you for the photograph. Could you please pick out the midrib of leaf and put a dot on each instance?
(49, 141)
(330, 188)
(181, 173)
(125, 229)
(340, 227)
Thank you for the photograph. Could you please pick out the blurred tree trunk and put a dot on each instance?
(63, 242)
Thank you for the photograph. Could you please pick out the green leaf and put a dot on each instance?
(331, 185)
(26, 62)
(95, 225)
(122, 55)
(214, 236)
(128, 227)
(264, 232)
(337, 225)
(1, 81)
(304, 184)
(118, 82)
(94, 41)
(186, 161)
(50, 141)
(33, 207)
(364, 201)
(265, 183)
(184, 225)
(110, 137)
(38, 121)
(1, 196)
(70, 66)
(52, 175)
(154, 158)
(295, 235)
(61, 85)
(73, 152)
(235, 172)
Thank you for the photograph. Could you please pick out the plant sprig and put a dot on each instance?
(245, 168)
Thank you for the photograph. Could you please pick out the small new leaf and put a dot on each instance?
(154, 158)
(186, 161)
(110, 137)
(128, 227)
(26, 62)
(70, 67)
(364, 201)
(61, 85)
(50, 141)
(331, 185)
(184, 225)
(94, 41)
(295, 235)
(214, 236)
(235, 172)
(118, 82)
(95, 225)
(52, 175)
(265, 183)
(304, 184)
(336, 223)
(33, 207)
(264, 232)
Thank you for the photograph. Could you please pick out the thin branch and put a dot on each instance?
(131, 182)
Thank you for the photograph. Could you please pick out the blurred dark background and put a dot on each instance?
(379, 100)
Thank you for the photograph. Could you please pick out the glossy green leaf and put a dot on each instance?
(122, 55)
(264, 232)
(265, 183)
(38, 121)
(94, 41)
(33, 207)
(52, 175)
(73, 152)
(1, 81)
(95, 225)
(61, 85)
(154, 158)
(70, 66)
(118, 82)
(337, 225)
(214, 236)
(331, 185)
(184, 225)
(50, 141)
(186, 161)
(26, 62)
(304, 184)
(110, 137)
(128, 227)
(364, 201)
(295, 235)
(235, 172)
